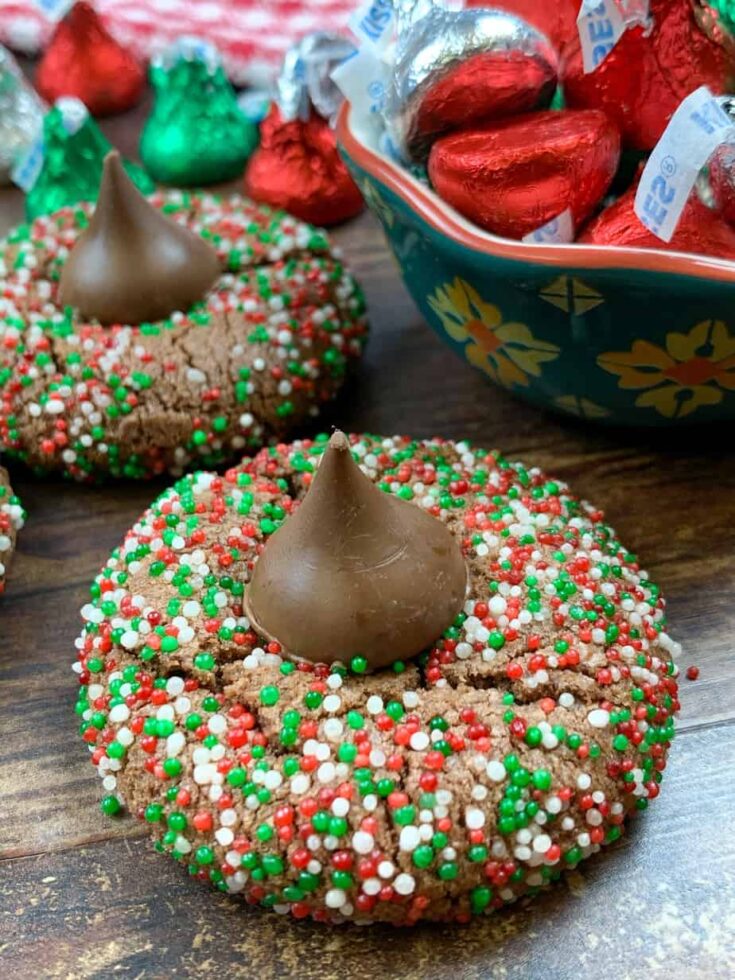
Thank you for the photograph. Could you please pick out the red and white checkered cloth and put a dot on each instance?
(252, 35)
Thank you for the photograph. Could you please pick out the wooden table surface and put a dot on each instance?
(82, 895)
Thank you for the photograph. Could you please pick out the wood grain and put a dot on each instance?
(84, 896)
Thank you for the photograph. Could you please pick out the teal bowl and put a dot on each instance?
(621, 335)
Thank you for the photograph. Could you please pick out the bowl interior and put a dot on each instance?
(359, 135)
(622, 335)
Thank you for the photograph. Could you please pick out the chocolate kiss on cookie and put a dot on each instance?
(356, 572)
(132, 264)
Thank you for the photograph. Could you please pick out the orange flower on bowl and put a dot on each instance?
(507, 352)
(693, 369)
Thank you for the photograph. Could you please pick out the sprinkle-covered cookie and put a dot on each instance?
(440, 787)
(268, 344)
(12, 518)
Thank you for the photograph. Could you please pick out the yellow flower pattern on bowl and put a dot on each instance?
(690, 371)
(507, 352)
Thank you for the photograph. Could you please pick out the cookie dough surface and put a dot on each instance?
(266, 347)
(12, 518)
(448, 786)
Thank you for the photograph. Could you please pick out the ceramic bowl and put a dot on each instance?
(623, 335)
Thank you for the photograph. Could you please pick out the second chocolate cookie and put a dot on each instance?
(166, 366)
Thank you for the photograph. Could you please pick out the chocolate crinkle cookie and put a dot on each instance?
(445, 784)
(128, 349)
(12, 518)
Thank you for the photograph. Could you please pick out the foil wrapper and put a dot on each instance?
(21, 115)
(65, 165)
(84, 60)
(297, 166)
(458, 68)
(699, 230)
(716, 182)
(515, 176)
(648, 73)
(196, 133)
(556, 19)
(305, 79)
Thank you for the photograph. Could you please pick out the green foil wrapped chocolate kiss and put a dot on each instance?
(196, 133)
(74, 152)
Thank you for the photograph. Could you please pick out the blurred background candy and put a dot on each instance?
(65, 166)
(252, 35)
(297, 166)
(21, 114)
(83, 60)
(196, 133)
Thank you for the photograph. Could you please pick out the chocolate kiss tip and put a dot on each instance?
(132, 264)
(339, 441)
(356, 572)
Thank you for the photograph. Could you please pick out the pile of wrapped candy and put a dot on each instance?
(199, 131)
(596, 121)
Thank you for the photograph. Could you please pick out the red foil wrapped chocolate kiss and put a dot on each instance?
(644, 78)
(700, 230)
(490, 85)
(297, 168)
(83, 60)
(514, 176)
(455, 69)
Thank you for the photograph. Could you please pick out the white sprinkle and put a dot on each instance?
(300, 784)
(496, 771)
(325, 772)
(410, 838)
(174, 744)
(335, 898)
(362, 842)
(474, 818)
(599, 718)
(404, 884)
(497, 606)
(553, 804)
(374, 704)
(419, 741)
(217, 724)
(386, 869)
(340, 807)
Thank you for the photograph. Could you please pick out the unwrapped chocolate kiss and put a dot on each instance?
(356, 572)
(132, 264)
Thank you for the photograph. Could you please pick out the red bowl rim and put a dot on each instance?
(449, 222)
